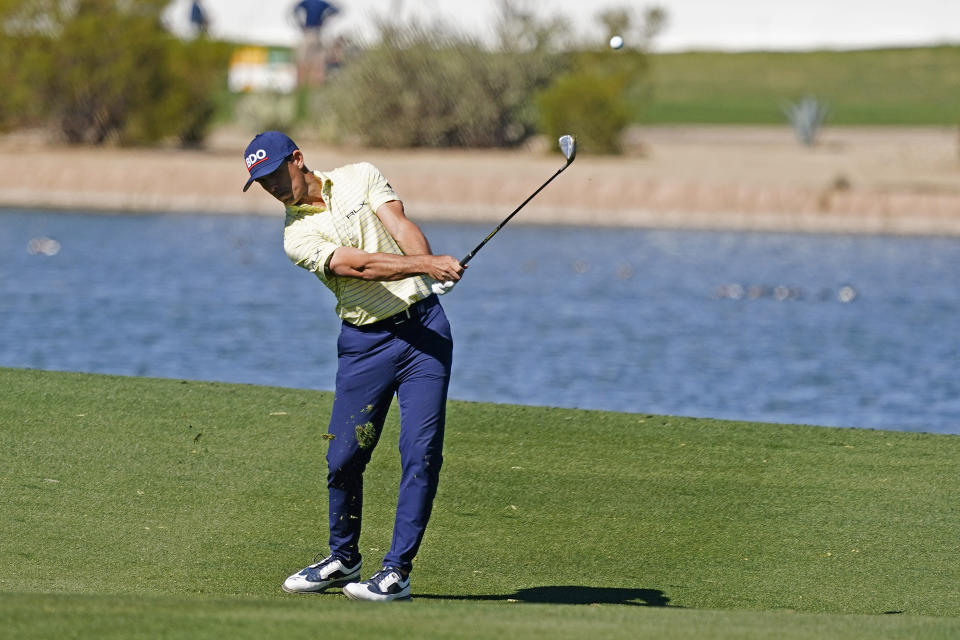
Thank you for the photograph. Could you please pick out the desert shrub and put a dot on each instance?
(806, 117)
(603, 90)
(196, 74)
(596, 98)
(99, 70)
(590, 106)
(430, 87)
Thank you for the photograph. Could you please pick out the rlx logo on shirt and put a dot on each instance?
(357, 210)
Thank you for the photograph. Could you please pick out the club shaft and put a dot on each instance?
(470, 255)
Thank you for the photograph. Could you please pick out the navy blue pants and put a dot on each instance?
(409, 357)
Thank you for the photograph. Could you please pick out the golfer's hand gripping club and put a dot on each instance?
(568, 146)
(444, 272)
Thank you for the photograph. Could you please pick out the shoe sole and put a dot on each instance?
(333, 585)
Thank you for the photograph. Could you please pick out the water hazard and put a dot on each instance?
(851, 331)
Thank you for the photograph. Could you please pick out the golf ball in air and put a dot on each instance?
(616, 42)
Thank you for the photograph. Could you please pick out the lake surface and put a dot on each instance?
(850, 331)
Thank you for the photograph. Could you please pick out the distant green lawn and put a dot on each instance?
(919, 86)
(143, 508)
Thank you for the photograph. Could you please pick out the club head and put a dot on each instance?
(568, 145)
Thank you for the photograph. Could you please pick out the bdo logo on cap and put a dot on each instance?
(256, 158)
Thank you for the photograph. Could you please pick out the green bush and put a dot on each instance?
(424, 88)
(596, 99)
(430, 87)
(196, 78)
(106, 70)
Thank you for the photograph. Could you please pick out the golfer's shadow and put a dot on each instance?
(572, 595)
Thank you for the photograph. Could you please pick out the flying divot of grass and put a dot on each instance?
(366, 434)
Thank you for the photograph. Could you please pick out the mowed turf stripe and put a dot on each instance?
(28, 616)
(190, 489)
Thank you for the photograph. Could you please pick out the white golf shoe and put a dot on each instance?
(386, 584)
(329, 572)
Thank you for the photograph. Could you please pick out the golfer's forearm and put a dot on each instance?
(377, 266)
(387, 266)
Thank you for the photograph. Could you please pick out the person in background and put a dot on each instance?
(310, 16)
(198, 18)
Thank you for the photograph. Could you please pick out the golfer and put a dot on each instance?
(347, 226)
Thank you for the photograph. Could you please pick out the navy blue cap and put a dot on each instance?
(265, 153)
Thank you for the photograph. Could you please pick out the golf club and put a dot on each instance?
(568, 146)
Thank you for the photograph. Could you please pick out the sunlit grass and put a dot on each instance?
(918, 86)
(183, 505)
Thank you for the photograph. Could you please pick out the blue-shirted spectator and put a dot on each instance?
(198, 17)
(312, 54)
(311, 14)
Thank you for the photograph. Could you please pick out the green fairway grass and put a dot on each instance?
(143, 508)
(909, 86)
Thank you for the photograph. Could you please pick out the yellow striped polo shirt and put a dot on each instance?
(311, 234)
